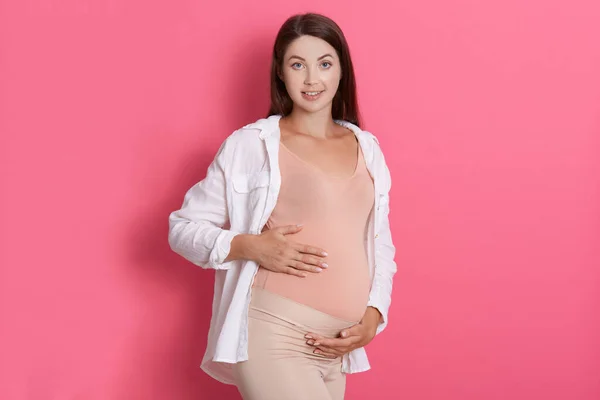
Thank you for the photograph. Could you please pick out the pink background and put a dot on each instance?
(489, 116)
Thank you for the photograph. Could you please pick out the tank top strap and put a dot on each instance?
(362, 163)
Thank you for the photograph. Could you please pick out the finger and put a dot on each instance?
(311, 260)
(338, 352)
(321, 350)
(294, 271)
(322, 347)
(318, 340)
(304, 248)
(335, 350)
(289, 229)
(325, 353)
(299, 265)
(354, 330)
(311, 335)
(337, 342)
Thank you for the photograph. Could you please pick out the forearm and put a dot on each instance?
(372, 316)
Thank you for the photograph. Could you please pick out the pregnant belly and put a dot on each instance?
(341, 290)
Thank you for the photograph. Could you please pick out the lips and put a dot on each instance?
(313, 95)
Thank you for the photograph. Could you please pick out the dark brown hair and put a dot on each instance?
(345, 105)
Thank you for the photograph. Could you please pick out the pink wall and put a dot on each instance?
(488, 112)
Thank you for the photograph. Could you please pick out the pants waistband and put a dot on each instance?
(297, 313)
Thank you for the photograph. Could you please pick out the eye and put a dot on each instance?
(296, 65)
(326, 64)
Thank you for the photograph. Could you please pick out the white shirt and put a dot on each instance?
(237, 196)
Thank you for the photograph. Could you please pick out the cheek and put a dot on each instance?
(332, 83)
(292, 81)
(332, 78)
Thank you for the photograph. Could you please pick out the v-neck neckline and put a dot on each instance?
(319, 170)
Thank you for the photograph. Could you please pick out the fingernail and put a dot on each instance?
(318, 269)
(317, 343)
(324, 265)
(299, 225)
(311, 342)
(308, 336)
(344, 334)
(324, 253)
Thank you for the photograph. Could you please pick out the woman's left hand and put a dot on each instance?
(350, 339)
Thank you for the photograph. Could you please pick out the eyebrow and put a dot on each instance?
(320, 58)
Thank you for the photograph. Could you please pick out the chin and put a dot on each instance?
(313, 107)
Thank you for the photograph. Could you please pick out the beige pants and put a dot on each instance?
(281, 366)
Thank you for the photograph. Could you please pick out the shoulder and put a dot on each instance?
(373, 147)
(246, 137)
(254, 132)
(359, 132)
(243, 135)
(244, 149)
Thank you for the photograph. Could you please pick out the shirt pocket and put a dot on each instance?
(248, 198)
(246, 183)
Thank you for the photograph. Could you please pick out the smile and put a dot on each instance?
(312, 95)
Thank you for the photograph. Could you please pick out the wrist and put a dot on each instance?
(243, 247)
(250, 246)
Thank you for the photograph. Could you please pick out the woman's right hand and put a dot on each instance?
(274, 251)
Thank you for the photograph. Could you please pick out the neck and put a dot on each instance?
(319, 124)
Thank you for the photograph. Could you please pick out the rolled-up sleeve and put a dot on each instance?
(196, 230)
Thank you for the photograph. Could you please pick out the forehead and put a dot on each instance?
(309, 48)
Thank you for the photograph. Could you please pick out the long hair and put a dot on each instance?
(345, 105)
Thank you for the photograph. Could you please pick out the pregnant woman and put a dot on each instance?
(293, 216)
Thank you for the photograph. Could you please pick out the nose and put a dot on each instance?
(311, 77)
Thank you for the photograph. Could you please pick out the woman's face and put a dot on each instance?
(311, 72)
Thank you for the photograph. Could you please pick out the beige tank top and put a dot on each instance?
(335, 212)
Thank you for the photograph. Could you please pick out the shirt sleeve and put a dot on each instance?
(380, 296)
(196, 230)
